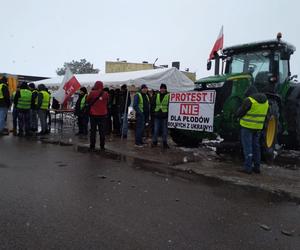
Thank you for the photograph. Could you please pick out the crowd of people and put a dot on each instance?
(30, 104)
(107, 112)
(102, 109)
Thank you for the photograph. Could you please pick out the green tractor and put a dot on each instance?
(266, 65)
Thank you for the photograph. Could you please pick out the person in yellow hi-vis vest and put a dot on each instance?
(252, 115)
(141, 105)
(82, 116)
(160, 105)
(23, 103)
(42, 107)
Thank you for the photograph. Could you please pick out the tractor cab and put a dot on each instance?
(267, 62)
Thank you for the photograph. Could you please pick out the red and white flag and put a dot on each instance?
(67, 88)
(218, 44)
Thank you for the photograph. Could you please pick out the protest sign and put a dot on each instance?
(192, 110)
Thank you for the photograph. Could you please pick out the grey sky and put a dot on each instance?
(38, 36)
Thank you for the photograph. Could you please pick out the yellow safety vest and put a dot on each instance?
(24, 101)
(164, 105)
(1, 93)
(46, 100)
(141, 101)
(82, 102)
(255, 117)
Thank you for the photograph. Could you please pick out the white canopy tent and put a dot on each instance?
(172, 77)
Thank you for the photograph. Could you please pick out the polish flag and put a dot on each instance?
(67, 88)
(218, 44)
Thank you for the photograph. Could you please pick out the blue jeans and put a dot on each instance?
(140, 125)
(124, 124)
(3, 114)
(160, 124)
(15, 118)
(251, 148)
(83, 121)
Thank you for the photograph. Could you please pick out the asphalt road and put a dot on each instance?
(55, 198)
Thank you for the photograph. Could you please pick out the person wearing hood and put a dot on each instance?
(98, 101)
(4, 104)
(23, 102)
(82, 117)
(252, 115)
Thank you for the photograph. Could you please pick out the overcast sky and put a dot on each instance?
(38, 36)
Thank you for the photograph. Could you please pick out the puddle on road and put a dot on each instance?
(62, 165)
(3, 165)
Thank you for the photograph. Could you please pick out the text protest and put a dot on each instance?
(192, 110)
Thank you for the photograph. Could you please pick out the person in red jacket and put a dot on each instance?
(97, 100)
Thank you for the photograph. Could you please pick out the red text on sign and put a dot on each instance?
(189, 109)
(192, 97)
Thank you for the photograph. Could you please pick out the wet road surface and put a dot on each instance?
(55, 198)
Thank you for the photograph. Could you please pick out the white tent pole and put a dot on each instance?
(125, 113)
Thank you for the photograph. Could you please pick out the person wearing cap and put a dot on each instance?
(125, 101)
(4, 104)
(82, 117)
(23, 102)
(98, 101)
(42, 107)
(33, 110)
(160, 105)
(141, 105)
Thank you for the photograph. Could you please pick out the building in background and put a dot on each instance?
(124, 66)
(14, 80)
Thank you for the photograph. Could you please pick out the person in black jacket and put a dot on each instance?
(82, 117)
(4, 104)
(125, 101)
(33, 110)
(115, 109)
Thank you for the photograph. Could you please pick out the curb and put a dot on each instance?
(181, 169)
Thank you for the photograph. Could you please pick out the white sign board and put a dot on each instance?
(192, 110)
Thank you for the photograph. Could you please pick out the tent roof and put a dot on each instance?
(172, 77)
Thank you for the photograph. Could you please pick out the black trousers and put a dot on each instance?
(100, 123)
(82, 121)
(24, 120)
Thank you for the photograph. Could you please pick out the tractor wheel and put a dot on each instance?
(184, 138)
(270, 130)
